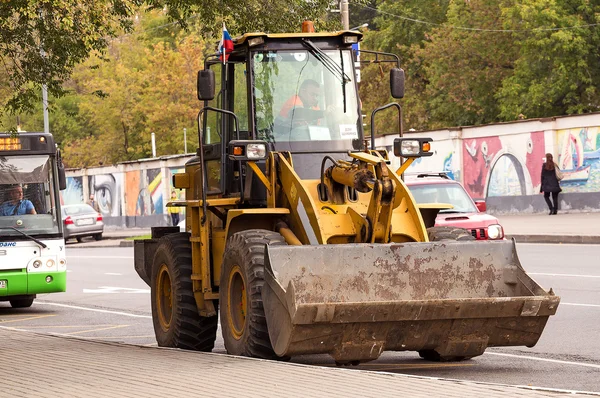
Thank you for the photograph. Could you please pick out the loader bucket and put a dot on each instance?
(355, 301)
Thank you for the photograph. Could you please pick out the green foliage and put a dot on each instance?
(557, 71)
(41, 42)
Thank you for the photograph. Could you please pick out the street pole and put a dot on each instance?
(345, 14)
(44, 92)
(45, 105)
(185, 140)
(153, 146)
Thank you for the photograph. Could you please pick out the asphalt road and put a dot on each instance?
(106, 300)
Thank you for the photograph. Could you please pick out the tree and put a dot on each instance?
(466, 66)
(41, 42)
(557, 72)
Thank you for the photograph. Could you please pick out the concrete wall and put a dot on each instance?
(130, 194)
(502, 162)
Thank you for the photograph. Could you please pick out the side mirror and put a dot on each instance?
(206, 85)
(481, 206)
(397, 82)
(62, 178)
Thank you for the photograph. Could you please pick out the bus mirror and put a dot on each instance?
(206, 85)
(397, 82)
(62, 178)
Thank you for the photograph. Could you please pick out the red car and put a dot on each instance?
(466, 213)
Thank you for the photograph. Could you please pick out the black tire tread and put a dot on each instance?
(191, 331)
(21, 303)
(251, 244)
(437, 234)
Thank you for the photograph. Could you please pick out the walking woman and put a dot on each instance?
(551, 175)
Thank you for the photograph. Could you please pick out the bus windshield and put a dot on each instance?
(303, 96)
(27, 196)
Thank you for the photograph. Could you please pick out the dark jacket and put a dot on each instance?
(549, 181)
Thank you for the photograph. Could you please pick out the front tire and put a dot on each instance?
(243, 320)
(437, 234)
(22, 303)
(174, 312)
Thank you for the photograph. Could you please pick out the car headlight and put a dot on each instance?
(495, 231)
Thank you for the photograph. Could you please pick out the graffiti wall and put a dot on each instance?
(131, 194)
(502, 163)
(579, 159)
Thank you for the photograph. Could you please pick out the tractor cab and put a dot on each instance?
(295, 92)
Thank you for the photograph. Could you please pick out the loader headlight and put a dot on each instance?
(412, 147)
(256, 151)
(248, 150)
(495, 231)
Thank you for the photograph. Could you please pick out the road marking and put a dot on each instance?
(581, 305)
(567, 275)
(111, 289)
(62, 326)
(96, 330)
(588, 365)
(28, 318)
(78, 257)
(112, 273)
(118, 337)
(94, 309)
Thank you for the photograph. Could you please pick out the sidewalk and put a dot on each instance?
(529, 228)
(560, 228)
(83, 368)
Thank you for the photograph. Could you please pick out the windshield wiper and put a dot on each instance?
(39, 242)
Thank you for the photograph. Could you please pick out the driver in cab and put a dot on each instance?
(16, 205)
(303, 107)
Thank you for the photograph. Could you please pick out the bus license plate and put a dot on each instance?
(2, 284)
(86, 221)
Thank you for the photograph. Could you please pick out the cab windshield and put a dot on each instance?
(303, 96)
(27, 196)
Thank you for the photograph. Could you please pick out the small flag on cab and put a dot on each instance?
(225, 45)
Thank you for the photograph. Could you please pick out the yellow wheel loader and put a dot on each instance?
(299, 237)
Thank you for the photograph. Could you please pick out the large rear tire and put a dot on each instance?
(243, 321)
(174, 312)
(437, 234)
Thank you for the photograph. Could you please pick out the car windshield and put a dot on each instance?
(302, 96)
(75, 210)
(451, 193)
(27, 196)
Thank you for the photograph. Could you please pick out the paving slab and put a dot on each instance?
(45, 365)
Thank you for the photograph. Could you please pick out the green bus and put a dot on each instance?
(32, 245)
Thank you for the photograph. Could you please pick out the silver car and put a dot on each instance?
(82, 220)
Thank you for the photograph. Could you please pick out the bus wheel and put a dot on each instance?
(22, 303)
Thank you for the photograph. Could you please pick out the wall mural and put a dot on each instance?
(503, 166)
(74, 193)
(106, 189)
(441, 161)
(579, 159)
(143, 192)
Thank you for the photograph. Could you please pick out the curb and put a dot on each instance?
(557, 239)
(551, 239)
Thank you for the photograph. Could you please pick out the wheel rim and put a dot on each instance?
(236, 302)
(164, 297)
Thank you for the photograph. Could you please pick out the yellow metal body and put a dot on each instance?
(385, 213)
